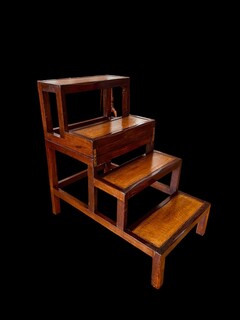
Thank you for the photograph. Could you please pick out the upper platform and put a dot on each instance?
(78, 84)
(100, 137)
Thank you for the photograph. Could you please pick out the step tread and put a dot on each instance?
(127, 175)
(171, 219)
(115, 125)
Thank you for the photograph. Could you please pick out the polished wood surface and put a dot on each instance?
(140, 169)
(115, 125)
(97, 142)
(169, 219)
(82, 80)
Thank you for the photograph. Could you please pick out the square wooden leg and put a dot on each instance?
(53, 178)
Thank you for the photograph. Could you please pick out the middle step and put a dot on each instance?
(128, 179)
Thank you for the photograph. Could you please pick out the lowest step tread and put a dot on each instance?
(170, 220)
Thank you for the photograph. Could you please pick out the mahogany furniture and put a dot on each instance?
(98, 143)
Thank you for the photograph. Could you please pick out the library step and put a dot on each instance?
(126, 180)
(97, 143)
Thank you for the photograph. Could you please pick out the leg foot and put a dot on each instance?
(158, 266)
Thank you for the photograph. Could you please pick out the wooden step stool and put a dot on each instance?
(96, 143)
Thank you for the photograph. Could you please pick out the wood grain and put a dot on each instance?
(167, 220)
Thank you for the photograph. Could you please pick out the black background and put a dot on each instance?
(69, 263)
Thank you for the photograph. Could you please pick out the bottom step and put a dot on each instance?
(163, 229)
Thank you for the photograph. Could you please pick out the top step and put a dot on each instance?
(79, 84)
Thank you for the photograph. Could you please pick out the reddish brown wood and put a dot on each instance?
(158, 266)
(99, 140)
(122, 209)
(53, 178)
(125, 181)
(202, 224)
(96, 143)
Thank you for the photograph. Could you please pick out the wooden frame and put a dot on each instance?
(97, 143)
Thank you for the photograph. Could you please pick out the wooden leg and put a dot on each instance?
(122, 207)
(175, 179)
(53, 178)
(202, 224)
(158, 266)
(92, 191)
